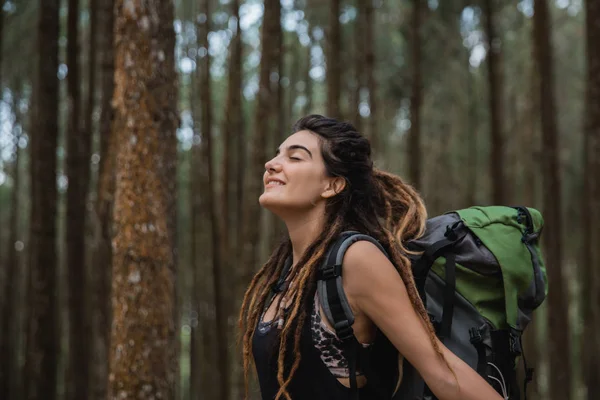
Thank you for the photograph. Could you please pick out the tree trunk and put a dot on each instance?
(373, 133)
(143, 349)
(8, 339)
(42, 343)
(495, 100)
(78, 173)
(591, 210)
(279, 128)
(253, 180)
(414, 145)
(334, 67)
(472, 138)
(2, 382)
(359, 70)
(529, 155)
(212, 206)
(558, 327)
(101, 273)
(308, 82)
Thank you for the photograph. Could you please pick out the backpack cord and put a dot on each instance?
(502, 384)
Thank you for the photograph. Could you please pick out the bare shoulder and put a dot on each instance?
(367, 271)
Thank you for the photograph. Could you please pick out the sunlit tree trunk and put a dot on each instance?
(78, 173)
(590, 346)
(495, 100)
(558, 326)
(414, 145)
(143, 349)
(42, 342)
(334, 67)
(102, 261)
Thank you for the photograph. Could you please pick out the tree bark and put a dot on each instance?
(42, 342)
(143, 349)
(334, 68)
(414, 145)
(308, 82)
(212, 206)
(591, 211)
(8, 339)
(78, 173)
(101, 273)
(359, 70)
(558, 327)
(252, 211)
(495, 100)
(373, 133)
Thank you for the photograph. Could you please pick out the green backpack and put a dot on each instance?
(479, 272)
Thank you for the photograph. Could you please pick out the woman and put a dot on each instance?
(321, 183)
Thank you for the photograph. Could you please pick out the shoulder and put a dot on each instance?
(367, 271)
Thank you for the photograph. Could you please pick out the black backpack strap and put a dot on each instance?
(449, 295)
(334, 302)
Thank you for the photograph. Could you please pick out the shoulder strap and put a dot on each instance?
(334, 302)
(329, 284)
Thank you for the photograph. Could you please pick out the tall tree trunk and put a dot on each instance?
(78, 173)
(8, 339)
(308, 82)
(279, 128)
(203, 349)
(472, 123)
(370, 74)
(334, 67)
(92, 69)
(414, 145)
(143, 349)
(591, 209)
(495, 100)
(250, 227)
(359, 67)
(2, 383)
(232, 135)
(212, 206)
(558, 327)
(529, 146)
(101, 273)
(42, 343)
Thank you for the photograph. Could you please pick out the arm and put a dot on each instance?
(374, 288)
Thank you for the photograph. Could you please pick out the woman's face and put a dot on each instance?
(296, 179)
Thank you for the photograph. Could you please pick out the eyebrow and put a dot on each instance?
(296, 147)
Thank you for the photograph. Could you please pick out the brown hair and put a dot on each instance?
(373, 202)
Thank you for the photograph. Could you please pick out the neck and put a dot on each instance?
(303, 230)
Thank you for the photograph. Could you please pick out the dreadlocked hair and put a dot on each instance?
(373, 202)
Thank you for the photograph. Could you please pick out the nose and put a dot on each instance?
(273, 165)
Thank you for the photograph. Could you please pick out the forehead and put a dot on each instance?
(303, 138)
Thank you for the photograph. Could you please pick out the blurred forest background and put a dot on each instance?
(133, 136)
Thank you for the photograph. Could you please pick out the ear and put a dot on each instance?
(334, 186)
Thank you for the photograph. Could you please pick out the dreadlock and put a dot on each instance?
(374, 202)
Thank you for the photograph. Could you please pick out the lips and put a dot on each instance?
(274, 182)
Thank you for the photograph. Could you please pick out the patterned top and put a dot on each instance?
(324, 338)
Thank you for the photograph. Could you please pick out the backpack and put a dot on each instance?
(479, 272)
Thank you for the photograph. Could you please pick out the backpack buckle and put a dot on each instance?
(475, 336)
(343, 330)
(329, 272)
(515, 343)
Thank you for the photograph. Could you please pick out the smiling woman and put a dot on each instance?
(321, 182)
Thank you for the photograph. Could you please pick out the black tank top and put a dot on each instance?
(313, 380)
